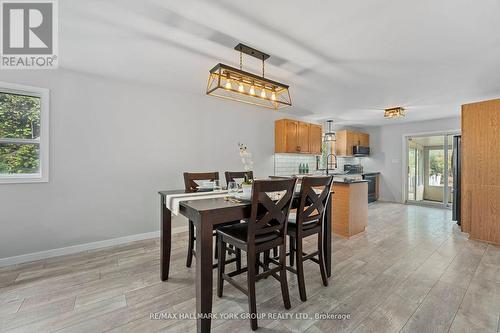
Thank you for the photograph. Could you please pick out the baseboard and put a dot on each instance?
(82, 247)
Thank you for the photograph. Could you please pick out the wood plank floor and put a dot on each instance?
(411, 271)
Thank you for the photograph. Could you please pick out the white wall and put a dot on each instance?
(113, 145)
(386, 144)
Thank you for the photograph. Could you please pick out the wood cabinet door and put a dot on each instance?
(303, 137)
(352, 140)
(291, 136)
(341, 143)
(315, 140)
(364, 139)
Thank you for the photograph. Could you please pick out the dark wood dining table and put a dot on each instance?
(206, 214)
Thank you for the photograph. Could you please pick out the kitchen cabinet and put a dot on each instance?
(315, 139)
(348, 139)
(363, 139)
(350, 215)
(303, 137)
(293, 136)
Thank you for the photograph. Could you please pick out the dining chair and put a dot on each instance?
(308, 221)
(191, 184)
(231, 176)
(264, 230)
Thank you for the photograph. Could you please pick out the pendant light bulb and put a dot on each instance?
(263, 93)
(252, 90)
(273, 96)
(228, 84)
(240, 88)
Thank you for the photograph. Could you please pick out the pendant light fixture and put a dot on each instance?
(236, 84)
(330, 134)
(396, 112)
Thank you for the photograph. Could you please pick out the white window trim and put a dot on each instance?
(44, 94)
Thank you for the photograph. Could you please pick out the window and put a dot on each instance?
(436, 167)
(23, 134)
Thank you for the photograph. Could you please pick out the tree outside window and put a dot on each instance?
(436, 167)
(24, 134)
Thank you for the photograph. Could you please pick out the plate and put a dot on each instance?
(204, 188)
(241, 196)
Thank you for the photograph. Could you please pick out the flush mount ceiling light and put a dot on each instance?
(330, 134)
(236, 84)
(394, 112)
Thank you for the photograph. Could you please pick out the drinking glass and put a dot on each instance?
(216, 186)
(232, 188)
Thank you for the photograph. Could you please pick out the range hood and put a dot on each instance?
(360, 151)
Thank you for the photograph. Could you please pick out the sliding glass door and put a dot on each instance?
(415, 173)
(429, 177)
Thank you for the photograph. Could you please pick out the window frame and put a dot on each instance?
(44, 95)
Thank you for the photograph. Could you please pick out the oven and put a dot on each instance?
(372, 187)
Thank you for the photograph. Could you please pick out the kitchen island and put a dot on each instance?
(349, 207)
(349, 203)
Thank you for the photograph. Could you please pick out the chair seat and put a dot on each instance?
(292, 223)
(240, 232)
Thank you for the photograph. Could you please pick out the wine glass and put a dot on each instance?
(232, 188)
(216, 186)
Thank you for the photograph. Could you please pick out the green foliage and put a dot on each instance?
(436, 162)
(246, 180)
(19, 158)
(19, 119)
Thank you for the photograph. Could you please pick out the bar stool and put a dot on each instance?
(265, 230)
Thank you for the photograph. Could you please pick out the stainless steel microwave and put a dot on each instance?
(360, 151)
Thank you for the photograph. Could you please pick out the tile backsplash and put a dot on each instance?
(288, 164)
(348, 160)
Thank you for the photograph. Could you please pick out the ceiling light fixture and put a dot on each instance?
(330, 134)
(394, 112)
(273, 95)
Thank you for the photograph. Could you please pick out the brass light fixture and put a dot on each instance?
(236, 84)
(394, 112)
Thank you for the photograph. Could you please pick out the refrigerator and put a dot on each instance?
(456, 178)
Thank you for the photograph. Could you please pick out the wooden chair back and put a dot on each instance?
(314, 196)
(270, 215)
(232, 175)
(190, 179)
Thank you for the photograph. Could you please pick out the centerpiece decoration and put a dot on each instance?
(246, 159)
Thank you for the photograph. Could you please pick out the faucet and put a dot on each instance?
(327, 169)
(328, 163)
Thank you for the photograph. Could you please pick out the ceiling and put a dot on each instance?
(344, 60)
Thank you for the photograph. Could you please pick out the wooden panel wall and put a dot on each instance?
(481, 170)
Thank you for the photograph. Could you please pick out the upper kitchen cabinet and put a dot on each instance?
(303, 137)
(316, 140)
(346, 140)
(296, 137)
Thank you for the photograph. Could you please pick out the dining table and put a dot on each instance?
(206, 214)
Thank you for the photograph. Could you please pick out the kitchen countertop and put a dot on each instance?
(336, 178)
(349, 181)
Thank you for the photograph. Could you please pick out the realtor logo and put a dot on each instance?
(29, 34)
